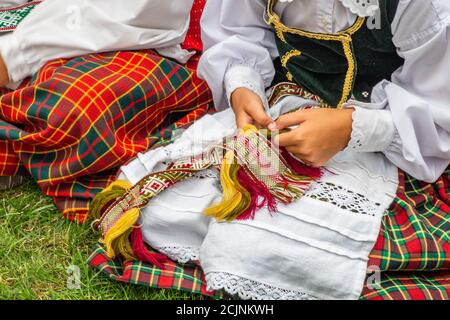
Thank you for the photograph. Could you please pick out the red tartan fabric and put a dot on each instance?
(78, 120)
(413, 249)
(188, 278)
(126, 100)
(415, 234)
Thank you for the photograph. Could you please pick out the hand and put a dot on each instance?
(248, 109)
(320, 135)
(4, 78)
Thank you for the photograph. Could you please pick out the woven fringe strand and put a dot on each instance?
(116, 240)
(235, 199)
(142, 253)
(107, 196)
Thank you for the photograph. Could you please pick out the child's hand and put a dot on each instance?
(248, 109)
(4, 78)
(320, 135)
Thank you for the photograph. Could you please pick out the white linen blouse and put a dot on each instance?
(68, 28)
(408, 118)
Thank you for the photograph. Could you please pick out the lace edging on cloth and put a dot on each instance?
(251, 290)
(182, 255)
(343, 198)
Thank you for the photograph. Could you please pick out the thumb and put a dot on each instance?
(291, 119)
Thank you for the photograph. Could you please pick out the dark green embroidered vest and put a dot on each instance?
(337, 67)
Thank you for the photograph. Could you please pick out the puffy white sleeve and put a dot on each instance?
(409, 117)
(239, 48)
(67, 28)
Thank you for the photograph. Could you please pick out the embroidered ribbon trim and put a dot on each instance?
(10, 18)
(253, 174)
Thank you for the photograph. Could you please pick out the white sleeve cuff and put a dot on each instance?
(241, 76)
(373, 130)
(12, 53)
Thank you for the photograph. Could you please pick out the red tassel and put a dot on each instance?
(300, 168)
(259, 194)
(142, 253)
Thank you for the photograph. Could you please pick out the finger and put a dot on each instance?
(287, 139)
(242, 120)
(257, 113)
(298, 155)
(295, 150)
(292, 119)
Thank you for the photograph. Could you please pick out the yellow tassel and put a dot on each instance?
(123, 246)
(249, 128)
(235, 199)
(116, 239)
(112, 192)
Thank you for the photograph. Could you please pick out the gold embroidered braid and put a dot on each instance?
(284, 89)
(350, 75)
(289, 55)
(275, 20)
(285, 59)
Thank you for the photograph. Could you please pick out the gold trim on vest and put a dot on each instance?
(345, 37)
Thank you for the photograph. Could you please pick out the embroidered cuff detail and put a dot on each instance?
(241, 76)
(373, 130)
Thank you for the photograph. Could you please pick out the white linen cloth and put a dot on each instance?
(315, 248)
(408, 118)
(68, 28)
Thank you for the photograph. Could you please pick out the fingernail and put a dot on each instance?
(272, 126)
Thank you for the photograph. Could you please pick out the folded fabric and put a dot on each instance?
(316, 247)
(417, 206)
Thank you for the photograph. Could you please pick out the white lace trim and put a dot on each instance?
(343, 198)
(244, 76)
(250, 290)
(248, 85)
(362, 8)
(182, 255)
(357, 137)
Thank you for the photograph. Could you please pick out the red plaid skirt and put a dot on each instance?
(78, 120)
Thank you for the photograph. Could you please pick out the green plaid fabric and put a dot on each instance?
(410, 286)
(188, 278)
(413, 249)
(78, 120)
(415, 234)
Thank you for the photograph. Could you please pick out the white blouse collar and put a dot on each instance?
(362, 8)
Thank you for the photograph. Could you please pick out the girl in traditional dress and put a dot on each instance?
(37, 134)
(381, 65)
(364, 89)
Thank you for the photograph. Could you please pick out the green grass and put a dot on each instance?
(37, 245)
